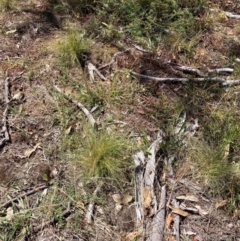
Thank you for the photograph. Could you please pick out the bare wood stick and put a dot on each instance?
(37, 189)
(190, 70)
(176, 221)
(221, 71)
(139, 160)
(232, 15)
(228, 14)
(140, 48)
(200, 73)
(113, 59)
(91, 69)
(89, 213)
(80, 105)
(183, 80)
(4, 119)
(159, 219)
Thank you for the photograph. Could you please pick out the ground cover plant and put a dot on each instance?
(87, 86)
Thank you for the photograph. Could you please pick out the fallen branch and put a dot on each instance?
(159, 219)
(222, 81)
(113, 59)
(81, 106)
(200, 73)
(228, 14)
(139, 160)
(176, 221)
(4, 119)
(89, 213)
(91, 69)
(37, 189)
(232, 15)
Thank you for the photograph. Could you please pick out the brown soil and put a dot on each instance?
(31, 158)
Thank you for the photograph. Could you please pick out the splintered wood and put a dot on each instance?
(5, 133)
(150, 186)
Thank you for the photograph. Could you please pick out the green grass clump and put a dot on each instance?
(103, 155)
(6, 4)
(74, 49)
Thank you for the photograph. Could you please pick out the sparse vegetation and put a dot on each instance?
(152, 38)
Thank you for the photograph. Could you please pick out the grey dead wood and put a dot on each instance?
(80, 105)
(113, 59)
(89, 214)
(200, 73)
(150, 169)
(228, 14)
(158, 223)
(139, 160)
(223, 82)
(5, 113)
(92, 69)
(176, 219)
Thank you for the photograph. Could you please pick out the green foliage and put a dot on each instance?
(6, 4)
(75, 49)
(103, 155)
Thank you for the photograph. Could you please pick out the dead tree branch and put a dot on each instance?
(200, 73)
(5, 113)
(159, 219)
(92, 69)
(89, 213)
(221, 81)
(80, 105)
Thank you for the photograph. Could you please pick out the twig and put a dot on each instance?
(113, 59)
(91, 69)
(200, 73)
(167, 79)
(89, 213)
(232, 15)
(81, 106)
(140, 48)
(222, 81)
(228, 14)
(37, 189)
(4, 119)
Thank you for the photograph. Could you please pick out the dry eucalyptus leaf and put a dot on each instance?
(118, 207)
(188, 198)
(122, 199)
(117, 198)
(69, 130)
(133, 235)
(18, 96)
(126, 199)
(29, 152)
(169, 220)
(178, 211)
(221, 204)
(201, 211)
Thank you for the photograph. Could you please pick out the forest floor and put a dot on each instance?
(45, 192)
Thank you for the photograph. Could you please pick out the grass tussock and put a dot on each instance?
(74, 49)
(103, 155)
(6, 4)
